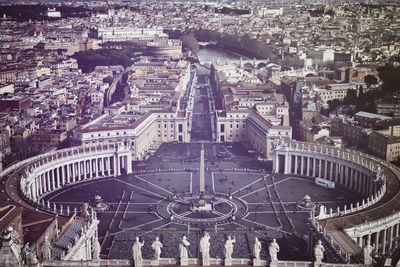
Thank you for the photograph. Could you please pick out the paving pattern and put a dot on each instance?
(248, 202)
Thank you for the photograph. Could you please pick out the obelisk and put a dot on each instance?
(202, 169)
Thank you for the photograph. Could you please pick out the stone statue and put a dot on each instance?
(183, 248)
(156, 246)
(368, 249)
(96, 249)
(273, 251)
(137, 252)
(257, 249)
(205, 246)
(46, 248)
(228, 248)
(31, 259)
(322, 212)
(319, 251)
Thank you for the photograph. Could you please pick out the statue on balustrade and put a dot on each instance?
(96, 249)
(367, 251)
(273, 251)
(228, 248)
(183, 248)
(137, 252)
(205, 246)
(319, 251)
(46, 248)
(156, 246)
(257, 249)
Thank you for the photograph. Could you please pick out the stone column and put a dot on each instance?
(390, 240)
(107, 165)
(90, 168)
(377, 242)
(331, 178)
(78, 164)
(102, 166)
(384, 241)
(369, 238)
(68, 173)
(288, 164)
(314, 168)
(33, 188)
(47, 176)
(115, 165)
(118, 165)
(32, 192)
(308, 166)
(39, 182)
(63, 175)
(337, 178)
(296, 164)
(129, 163)
(84, 169)
(326, 170)
(73, 172)
(53, 176)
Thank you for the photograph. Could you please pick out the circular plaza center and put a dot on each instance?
(163, 197)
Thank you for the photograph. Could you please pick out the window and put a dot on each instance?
(180, 128)
(222, 127)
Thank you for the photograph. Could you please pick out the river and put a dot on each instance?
(208, 54)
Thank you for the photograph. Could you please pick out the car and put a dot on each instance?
(222, 154)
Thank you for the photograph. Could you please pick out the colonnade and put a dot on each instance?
(384, 233)
(66, 167)
(355, 171)
(352, 176)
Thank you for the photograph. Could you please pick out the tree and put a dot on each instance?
(370, 79)
(351, 97)
(390, 76)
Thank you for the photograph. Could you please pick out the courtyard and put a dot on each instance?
(157, 200)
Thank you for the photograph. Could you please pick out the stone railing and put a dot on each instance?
(354, 207)
(372, 226)
(366, 161)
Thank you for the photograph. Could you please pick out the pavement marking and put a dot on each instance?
(133, 212)
(155, 229)
(248, 194)
(191, 183)
(266, 226)
(290, 211)
(79, 185)
(284, 180)
(247, 185)
(133, 228)
(153, 184)
(140, 188)
(212, 181)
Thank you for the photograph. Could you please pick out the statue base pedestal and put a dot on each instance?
(138, 264)
(184, 262)
(257, 262)
(228, 262)
(318, 264)
(273, 264)
(205, 261)
(155, 262)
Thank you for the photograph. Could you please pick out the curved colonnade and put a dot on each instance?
(375, 219)
(374, 179)
(51, 171)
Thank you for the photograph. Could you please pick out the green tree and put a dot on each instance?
(370, 79)
(390, 77)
